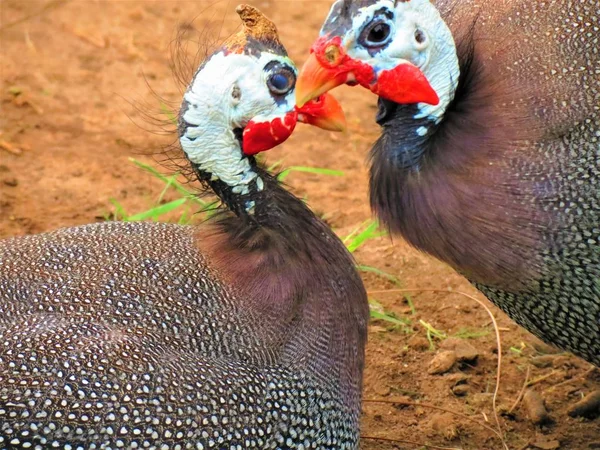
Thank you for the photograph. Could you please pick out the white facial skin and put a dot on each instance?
(228, 92)
(434, 52)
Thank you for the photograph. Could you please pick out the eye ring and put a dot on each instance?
(376, 34)
(281, 79)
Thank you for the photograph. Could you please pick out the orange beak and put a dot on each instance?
(316, 79)
(324, 112)
(329, 65)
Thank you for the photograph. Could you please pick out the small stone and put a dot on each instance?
(546, 445)
(457, 378)
(464, 351)
(460, 390)
(588, 407)
(382, 390)
(442, 362)
(543, 361)
(12, 182)
(536, 410)
(444, 425)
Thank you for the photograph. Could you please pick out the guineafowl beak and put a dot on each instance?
(329, 66)
(262, 134)
(324, 112)
(324, 70)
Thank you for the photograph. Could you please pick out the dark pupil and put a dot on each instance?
(379, 33)
(279, 81)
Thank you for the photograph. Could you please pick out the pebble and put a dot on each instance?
(534, 405)
(463, 349)
(444, 425)
(546, 445)
(460, 390)
(589, 406)
(442, 362)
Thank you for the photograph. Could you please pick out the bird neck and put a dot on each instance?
(295, 276)
(401, 158)
(441, 68)
(405, 136)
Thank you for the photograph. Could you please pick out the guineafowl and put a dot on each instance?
(489, 157)
(247, 331)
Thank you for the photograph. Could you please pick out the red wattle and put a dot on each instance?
(405, 84)
(261, 136)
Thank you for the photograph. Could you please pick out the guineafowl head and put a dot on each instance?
(240, 102)
(402, 51)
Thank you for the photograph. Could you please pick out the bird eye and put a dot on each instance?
(281, 79)
(376, 34)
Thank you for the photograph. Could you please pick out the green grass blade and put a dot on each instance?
(380, 273)
(354, 231)
(120, 213)
(468, 333)
(387, 318)
(371, 232)
(377, 312)
(318, 170)
(165, 110)
(170, 179)
(275, 165)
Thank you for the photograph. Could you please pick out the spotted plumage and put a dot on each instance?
(500, 178)
(134, 342)
(247, 331)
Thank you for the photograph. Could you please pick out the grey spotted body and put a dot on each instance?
(110, 338)
(558, 65)
(562, 306)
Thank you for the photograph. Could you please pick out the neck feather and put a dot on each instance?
(295, 275)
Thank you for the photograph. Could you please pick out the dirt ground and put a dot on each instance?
(69, 72)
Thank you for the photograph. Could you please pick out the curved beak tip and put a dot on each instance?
(314, 80)
(324, 112)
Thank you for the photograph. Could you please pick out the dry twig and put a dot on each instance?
(47, 7)
(522, 392)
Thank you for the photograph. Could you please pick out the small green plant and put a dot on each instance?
(159, 209)
(358, 237)
(518, 349)
(320, 171)
(365, 231)
(377, 312)
(432, 333)
(463, 333)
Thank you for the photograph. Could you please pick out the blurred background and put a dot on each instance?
(82, 85)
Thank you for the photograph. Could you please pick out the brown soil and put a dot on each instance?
(69, 70)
